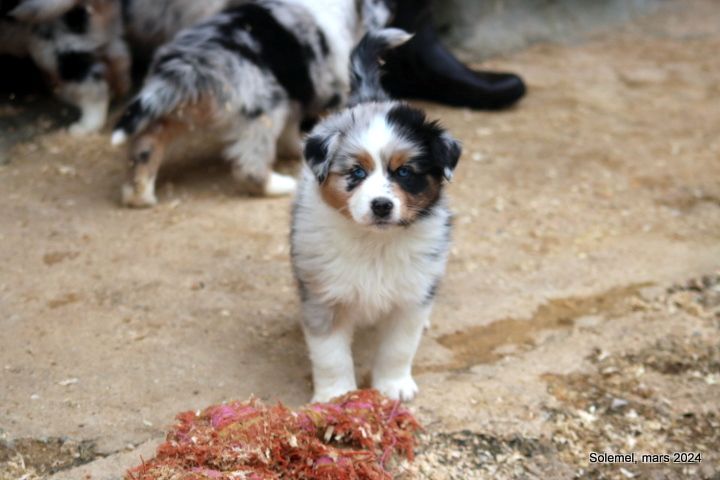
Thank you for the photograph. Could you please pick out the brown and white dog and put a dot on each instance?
(371, 229)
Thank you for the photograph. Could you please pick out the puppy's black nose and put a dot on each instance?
(382, 207)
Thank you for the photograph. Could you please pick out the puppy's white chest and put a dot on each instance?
(373, 279)
(370, 274)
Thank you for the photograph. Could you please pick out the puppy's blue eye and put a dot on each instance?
(403, 172)
(358, 173)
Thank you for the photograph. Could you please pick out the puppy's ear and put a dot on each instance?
(447, 152)
(317, 155)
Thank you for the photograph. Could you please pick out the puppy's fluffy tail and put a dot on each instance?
(365, 72)
(156, 99)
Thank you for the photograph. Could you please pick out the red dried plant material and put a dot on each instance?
(353, 437)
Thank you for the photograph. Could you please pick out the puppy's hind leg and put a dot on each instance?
(400, 336)
(328, 334)
(146, 153)
(253, 152)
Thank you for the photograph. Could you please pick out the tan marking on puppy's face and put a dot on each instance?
(398, 159)
(338, 187)
(410, 204)
(365, 161)
(413, 205)
(334, 192)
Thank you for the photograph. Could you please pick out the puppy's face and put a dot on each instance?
(381, 165)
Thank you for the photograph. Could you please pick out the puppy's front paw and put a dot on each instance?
(328, 394)
(403, 388)
(134, 199)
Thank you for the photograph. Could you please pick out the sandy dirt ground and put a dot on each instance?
(580, 311)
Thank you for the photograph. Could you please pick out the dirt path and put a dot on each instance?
(574, 316)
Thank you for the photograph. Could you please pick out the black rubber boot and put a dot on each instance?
(424, 69)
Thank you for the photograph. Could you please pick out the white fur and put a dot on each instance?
(330, 353)
(93, 114)
(279, 185)
(118, 138)
(399, 339)
(339, 20)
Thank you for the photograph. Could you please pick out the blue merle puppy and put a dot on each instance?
(79, 47)
(371, 229)
(251, 73)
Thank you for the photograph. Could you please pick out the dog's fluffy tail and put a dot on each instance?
(365, 72)
(156, 99)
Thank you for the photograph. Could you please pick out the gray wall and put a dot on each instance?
(485, 28)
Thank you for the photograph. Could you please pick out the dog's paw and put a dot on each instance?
(403, 388)
(134, 199)
(326, 395)
(279, 185)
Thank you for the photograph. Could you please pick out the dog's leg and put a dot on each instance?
(399, 339)
(328, 334)
(253, 153)
(92, 96)
(146, 154)
(93, 108)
